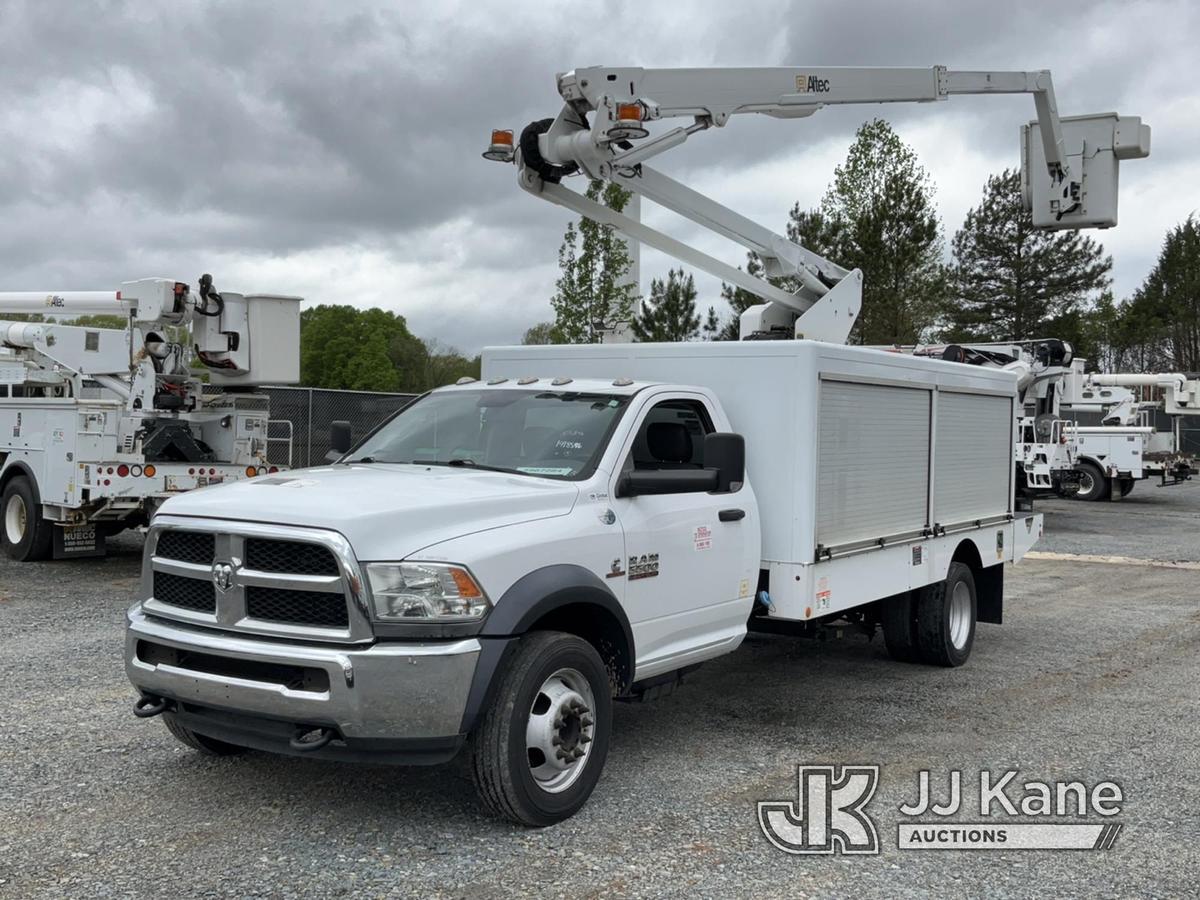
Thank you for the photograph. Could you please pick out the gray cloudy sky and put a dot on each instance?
(332, 149)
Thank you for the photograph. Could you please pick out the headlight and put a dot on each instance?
(414, 592)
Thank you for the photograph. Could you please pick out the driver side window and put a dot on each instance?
(671, 436)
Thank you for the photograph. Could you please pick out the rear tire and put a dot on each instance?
(946, 615)
(26, 536)
(1093, 483)
(554, 698)
(899, 623)
(199, 742)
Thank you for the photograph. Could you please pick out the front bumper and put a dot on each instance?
(389, 702)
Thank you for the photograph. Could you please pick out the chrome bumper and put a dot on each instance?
(378, 694)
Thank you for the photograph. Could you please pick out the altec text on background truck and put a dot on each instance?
(497, 563)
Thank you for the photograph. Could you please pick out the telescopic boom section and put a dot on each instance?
(602, 131)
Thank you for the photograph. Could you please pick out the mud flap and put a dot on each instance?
(76, 541)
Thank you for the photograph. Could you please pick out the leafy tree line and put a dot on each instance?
(373, 350)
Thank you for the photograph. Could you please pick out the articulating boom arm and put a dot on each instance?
(619, 102)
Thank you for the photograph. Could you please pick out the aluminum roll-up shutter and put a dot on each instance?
(972, 457)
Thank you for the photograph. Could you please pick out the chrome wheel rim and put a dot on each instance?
(960, 615)
(1086, 483)
(15, 519)
(560, 730)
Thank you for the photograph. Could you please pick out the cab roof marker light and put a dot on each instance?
(622, 382)
(526, 380)
(497, 380)
(559, 382)
(466, 379)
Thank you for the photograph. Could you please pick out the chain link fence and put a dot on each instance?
(308, 412)
(301, 417)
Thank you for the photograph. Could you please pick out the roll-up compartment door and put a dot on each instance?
(872, 461)
(972, 457)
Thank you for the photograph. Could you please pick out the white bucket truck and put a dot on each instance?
(496, 564)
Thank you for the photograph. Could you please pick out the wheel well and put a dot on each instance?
(989, 582)
(602, 630)
(17, 470)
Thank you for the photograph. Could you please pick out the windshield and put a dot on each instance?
(553, 434)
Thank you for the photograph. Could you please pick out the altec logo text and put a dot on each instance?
(811, 84)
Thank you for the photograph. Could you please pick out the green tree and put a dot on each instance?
(542, 333)
(592, 293)
(670, 313)
(367, 350)
(1160, 325)
(445, 365)
(1011, 281)
(878, 215)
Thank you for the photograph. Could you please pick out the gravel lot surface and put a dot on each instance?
(1095, 676)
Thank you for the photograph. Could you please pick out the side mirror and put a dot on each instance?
(341, 439)
(725, 453)
(666, 481)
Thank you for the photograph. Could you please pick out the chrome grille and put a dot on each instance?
(186, 593)
(260, 579)
(289, 556)
(298, 607)
(187, 546)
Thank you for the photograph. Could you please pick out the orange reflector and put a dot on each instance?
(629, 112)
(149, 471)
(465, 583)
(251, 471)
(502, 136)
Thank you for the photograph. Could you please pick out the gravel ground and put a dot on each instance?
(1094, 677)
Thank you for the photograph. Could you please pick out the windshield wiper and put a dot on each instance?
(463, 463)
(364, 459)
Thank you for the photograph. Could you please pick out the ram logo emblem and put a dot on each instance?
(222, 576)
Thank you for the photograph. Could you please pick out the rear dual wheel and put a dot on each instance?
(935, 624)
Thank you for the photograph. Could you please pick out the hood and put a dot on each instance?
(386, 511)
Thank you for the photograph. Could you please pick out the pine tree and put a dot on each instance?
(670, 313)
(592, 293)
(878, 215)
(1161, 322)
(1011, 281)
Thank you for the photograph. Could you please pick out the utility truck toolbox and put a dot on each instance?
(499, 562)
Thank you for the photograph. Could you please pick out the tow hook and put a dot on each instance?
(148, 706)
(308, 739)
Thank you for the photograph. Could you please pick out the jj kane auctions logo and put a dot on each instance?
(829, 814)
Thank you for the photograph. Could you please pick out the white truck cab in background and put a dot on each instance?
(497, 563)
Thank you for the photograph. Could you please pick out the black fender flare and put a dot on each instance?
(529, 599)
(17, 468)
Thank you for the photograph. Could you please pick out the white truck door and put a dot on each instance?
(691, 559)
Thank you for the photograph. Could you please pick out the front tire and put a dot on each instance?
(199, 742)
(26, 536)
(538, 751)
(946, 615)
(1093, 483)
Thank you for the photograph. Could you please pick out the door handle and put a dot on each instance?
(731, 515)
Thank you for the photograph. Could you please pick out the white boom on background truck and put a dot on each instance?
(99, 425)
(496, 564)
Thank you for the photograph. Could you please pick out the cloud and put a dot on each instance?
(332, 150)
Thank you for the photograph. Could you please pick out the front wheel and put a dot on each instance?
(26, 536)
(537, 753)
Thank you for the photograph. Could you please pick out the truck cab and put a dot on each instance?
(559, 541)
